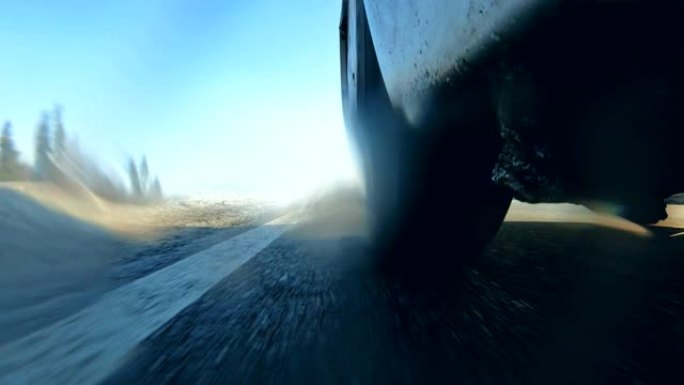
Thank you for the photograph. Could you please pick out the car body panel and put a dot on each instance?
(420, 43)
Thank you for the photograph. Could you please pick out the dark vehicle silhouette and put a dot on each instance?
(459, 106)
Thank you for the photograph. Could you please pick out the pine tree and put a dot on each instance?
(60, 133)
(135, 180)
(144, 176)
(156, 190)
(43, 149)
(9, 156)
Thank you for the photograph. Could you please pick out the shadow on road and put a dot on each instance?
(556, 302)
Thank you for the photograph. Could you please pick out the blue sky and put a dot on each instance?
(219, 94)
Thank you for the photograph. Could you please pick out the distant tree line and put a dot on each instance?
(144, 188)
(11, 167)
(60, 160)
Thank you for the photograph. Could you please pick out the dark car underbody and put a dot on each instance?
(589, 105)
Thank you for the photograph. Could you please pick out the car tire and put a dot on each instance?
(433, 205)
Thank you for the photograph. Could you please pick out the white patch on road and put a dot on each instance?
(89, 345)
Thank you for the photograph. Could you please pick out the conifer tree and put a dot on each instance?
(134, 179)
(43, 149)
(60, 133)
(9, 156)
